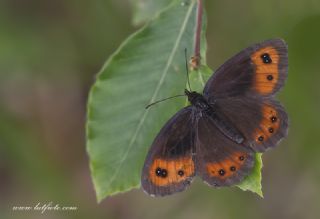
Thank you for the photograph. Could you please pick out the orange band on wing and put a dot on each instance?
(227, 167)
(266, 62)
(166, 172)
(268, 125)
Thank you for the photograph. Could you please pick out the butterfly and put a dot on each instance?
(217, 135)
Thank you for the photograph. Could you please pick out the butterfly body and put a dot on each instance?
(217, 136)
(202, 107)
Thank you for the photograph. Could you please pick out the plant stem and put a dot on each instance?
(197, 39)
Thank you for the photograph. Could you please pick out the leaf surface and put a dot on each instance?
(147, 67)
(253, 181)
(144, 10)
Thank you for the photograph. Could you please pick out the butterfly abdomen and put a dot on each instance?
(226, 128)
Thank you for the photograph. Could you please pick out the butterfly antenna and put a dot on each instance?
(179, 95)
(187, 68)
(151, 104)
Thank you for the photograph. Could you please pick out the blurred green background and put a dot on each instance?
(50, 52)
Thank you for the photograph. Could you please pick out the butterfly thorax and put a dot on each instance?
(198, 100)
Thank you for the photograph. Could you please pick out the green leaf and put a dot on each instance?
(147, 67)
(144, 10)
(253, 181)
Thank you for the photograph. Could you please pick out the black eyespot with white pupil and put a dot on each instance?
(222, 172)
(271, 130)
(180, 173)
(270, 77)
(158, 171)
(260, 138)
(161, 172)
(266, 58)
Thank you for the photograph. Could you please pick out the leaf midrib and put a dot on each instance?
(164, 73)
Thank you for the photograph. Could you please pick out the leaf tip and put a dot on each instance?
(253, 181)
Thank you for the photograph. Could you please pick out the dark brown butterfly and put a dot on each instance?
(217, 136)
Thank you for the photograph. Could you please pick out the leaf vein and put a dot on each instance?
(164, 73)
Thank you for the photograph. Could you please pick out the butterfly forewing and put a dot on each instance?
(260, 70)
(169, 166)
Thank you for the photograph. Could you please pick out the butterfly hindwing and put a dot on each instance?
(260, 70)
(169, 166)
(262, 122)
(219, 160)
(272, 127)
